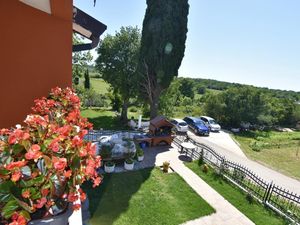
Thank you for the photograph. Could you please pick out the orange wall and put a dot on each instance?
(35, 55)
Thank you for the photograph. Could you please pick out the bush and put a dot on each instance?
(250, 198)
(205, 168)
(166, 166)
(133, 109)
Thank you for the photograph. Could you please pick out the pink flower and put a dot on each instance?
(14, 165)
(41, 202)
(54, 145)
(72, 197)
(33, 152)
(26, 194)
(96, 181)
(76, 207)
(16, 175)
(59, 163)
(18, 219)
(76, 141)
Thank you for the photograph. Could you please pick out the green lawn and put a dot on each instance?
(254, 211)
(106, 119)
(146, 196)
(99, 85)
(103, 118)
(278, 150)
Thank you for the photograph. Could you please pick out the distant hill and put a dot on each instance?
(222, 85)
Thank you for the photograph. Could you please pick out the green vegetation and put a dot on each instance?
(162, 48)
(247, 205)
(144, 197)
(279, 150)
(117, 63)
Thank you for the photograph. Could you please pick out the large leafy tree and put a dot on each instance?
(117, 62)
(162, 47)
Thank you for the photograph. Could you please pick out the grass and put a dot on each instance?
(103, 118)
(278, 150)
(255, 211)
(146, 196)
(106, 119)
(99, 85)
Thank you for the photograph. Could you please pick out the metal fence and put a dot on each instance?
(282, 201)
(96, 135)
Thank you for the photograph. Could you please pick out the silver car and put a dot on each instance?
(180, 125)
(211, 123)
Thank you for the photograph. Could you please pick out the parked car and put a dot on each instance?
(211, 123)
(180, 125)
(197, 125)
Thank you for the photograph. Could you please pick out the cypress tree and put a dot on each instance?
(87, 83)
(162, 47)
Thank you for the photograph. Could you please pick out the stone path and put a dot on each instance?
(226, 214)
(262, 171)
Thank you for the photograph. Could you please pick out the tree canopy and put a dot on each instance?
(117, 63)
(162, 47)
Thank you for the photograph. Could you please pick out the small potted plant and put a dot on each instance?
(109, 167)
(166, 166)
(129, 164)
(140, 154)
(43, 162)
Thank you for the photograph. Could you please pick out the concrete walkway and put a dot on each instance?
(226, 214)
(232, 153)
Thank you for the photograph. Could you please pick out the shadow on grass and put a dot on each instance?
(112, 197)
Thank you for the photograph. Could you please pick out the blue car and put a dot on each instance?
(197, 125)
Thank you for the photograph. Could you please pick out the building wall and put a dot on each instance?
(36, 55)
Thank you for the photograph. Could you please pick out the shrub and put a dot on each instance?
(133, 109)
(166, 166)
(109, 163)
(205, 168)
(129, 161)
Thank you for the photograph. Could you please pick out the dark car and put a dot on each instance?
(197, 125)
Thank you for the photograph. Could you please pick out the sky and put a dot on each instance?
(254, 42)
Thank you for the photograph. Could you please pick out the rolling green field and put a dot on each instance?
(278, 150)
(146, 196)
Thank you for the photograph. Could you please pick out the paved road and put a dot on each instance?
(223, 144)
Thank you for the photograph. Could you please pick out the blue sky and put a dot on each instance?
(244, 41)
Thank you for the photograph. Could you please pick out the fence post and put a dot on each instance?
(268, 192)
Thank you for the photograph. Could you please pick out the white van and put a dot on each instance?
(211, 123)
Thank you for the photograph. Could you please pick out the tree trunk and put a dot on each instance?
(124, 117)
(154, 105)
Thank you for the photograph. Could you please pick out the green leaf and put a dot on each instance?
(4, 197)
(4, 172)
(75, 162)
(24, 205)
(6, 186)
(9, 208)
(17, 148)
(34, 182)
(48, 162)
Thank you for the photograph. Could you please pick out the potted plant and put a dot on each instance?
(166, 166)
(129, 164)
(109, 167)
(43, 162)
(140, 154)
